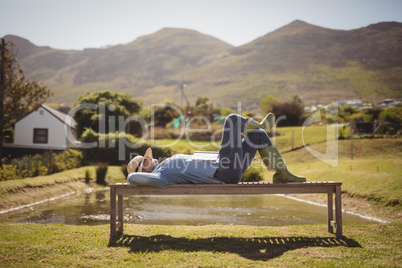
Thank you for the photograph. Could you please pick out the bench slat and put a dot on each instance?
(220, 189)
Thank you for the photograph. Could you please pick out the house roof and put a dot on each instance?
(64, 118)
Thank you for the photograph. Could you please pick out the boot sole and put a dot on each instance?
(274, 180)
(286, 181)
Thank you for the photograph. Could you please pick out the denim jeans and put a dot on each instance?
(237, 153)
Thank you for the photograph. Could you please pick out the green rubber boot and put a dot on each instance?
(267, 123)
(273, 160)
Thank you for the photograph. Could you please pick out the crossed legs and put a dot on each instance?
(237, 153)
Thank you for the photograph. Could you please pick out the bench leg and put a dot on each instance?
(330, 212)
(120, 213)
(338, 212)
(112, 212)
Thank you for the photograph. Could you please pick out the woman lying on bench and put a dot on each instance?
(234, 157)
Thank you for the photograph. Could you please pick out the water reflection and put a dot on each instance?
(92, 208)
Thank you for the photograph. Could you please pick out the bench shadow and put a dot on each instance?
(257, 248)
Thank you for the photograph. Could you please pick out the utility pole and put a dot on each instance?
(188, 110)
(2, 89)
(293, 140)
(351, 146)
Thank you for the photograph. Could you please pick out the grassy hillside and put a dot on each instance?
(316, 84)
(373, 174)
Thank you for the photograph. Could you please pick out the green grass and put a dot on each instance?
(359, 178)
(364, 245)
(374, 172)
(8, 187)
(285, 138)
(186, 147)
(36, 245)
(294, 137)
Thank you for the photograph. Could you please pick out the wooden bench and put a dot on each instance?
(329, 188)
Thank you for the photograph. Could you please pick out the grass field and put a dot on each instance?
(286, 139)
(373, 175)
(35, 245)
(78, 174)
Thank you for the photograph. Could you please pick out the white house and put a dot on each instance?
(45, 129)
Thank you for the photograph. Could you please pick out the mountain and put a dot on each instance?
(322, 65)
(134, 67)
(298, 44)
(150, 59)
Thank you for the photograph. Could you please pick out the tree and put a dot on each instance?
(223, 111)
(350, 114)
(203, 107)
(106, 106)
(166, 112)
(20, 95)
(293, 110)
(267, 103)
(392, 118)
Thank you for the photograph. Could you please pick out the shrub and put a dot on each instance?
(9, 172)
(101, 173)
(252, 174)
(24, 165)
(87, 176)
(343, 133)
(31, 166)
(39, 165)
(66, 160)
(124, 170)
(392, 117)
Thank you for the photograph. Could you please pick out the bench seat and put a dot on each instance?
(329, 188)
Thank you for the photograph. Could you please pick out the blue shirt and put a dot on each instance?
(178, 169)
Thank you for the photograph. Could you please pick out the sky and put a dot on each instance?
(79, 24)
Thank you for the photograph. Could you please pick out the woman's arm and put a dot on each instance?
(150, 179)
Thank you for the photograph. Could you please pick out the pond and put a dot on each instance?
(92, 208)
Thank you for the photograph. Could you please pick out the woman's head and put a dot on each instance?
(144, 163)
